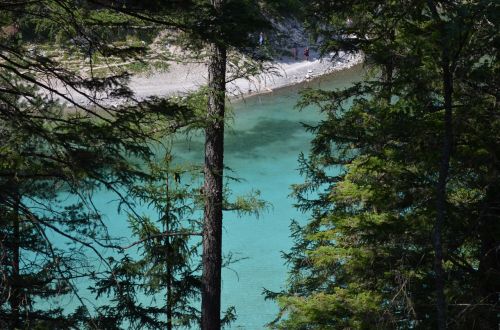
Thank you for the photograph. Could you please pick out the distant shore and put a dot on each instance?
(184, 78)
(300, 73)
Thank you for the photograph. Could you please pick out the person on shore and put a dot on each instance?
(295, 51)
(306, 53)
(261, 39)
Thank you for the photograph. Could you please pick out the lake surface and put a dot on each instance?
(262, 146)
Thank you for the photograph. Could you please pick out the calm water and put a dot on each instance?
(262, 146)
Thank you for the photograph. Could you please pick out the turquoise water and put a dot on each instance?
(262, 146)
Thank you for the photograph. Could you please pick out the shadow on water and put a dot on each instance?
(265, 133)
(249, 143)
(262, 146)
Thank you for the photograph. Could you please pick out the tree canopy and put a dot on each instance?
(421, 128)
(62, 142)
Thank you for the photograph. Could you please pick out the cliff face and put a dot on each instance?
(288, 33)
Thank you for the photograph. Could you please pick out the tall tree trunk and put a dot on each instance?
(388, 68)
(444, 167)
(441, 191)
(16, 299)
(169, 259)
(214, 165)
(169, 287)
(489, 266)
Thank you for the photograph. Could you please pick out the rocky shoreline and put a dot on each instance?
(184, 78)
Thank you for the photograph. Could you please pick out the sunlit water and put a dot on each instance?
(262, 144)
(262, 147)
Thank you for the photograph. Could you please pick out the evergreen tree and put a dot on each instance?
(404, 169)
(220, 26)
(92, 147)
(52, 160)
(161, 287)
(166, 274)
(212, 189)
(51, 164)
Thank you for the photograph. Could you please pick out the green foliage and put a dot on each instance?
(286, 7)
(166, 266)
(247, 204)
(159, 285)
(52, 161)
(365, 259)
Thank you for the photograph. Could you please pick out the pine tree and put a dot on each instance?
(220, 26)
(165, 271)
(92, 148)
(212, 190)
(52, 160)
(401, 159)
(160, 285)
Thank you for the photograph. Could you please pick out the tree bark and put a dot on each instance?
(16, 299)
(169, 288)
(444, 168)
(441, 209)
(489, 266)
(388, 68)
(213, 170)
(168, 246)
